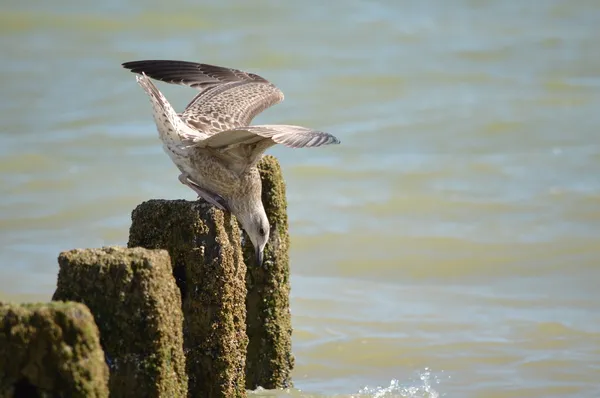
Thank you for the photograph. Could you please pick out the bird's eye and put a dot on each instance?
(261, 232)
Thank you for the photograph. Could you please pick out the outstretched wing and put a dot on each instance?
(290, 136)
(243, 147)
(228, 98)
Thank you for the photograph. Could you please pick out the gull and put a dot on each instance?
(212, 142)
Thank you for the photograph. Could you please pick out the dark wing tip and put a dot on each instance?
(191, 74)
(133, 65)
(129, 64)
(140, 66)
(327, 139)
(311, 140)
(176, 72)
(147, 62)
(136, 66)
(159, 65)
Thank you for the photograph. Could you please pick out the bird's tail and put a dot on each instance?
(169, 124)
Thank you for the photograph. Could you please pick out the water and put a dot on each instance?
(450, 246)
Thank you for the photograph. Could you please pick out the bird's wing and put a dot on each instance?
(243, 147)
(228, 98)
(290, 136)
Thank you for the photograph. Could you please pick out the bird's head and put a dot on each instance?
(256, 225)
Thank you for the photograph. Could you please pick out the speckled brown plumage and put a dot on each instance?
(212, 142)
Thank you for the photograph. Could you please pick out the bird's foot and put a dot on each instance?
(210, 197)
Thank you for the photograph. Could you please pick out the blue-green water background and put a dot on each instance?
(449, 247)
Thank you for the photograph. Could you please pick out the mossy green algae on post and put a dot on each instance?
(203, 243)
(137, 307)
(269, 362)
(50, 350)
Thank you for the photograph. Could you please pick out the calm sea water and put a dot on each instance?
(451, 245)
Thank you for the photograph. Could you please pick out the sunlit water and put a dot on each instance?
(449, 247)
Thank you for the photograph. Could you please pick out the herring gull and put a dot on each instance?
(212, 142)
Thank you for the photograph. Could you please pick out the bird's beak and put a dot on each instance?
(259, 257)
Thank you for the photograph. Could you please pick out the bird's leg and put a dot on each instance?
(210, 197)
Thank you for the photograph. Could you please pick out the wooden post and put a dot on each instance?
(50, 350)
(135, 301)
(270, 361)
(203, 243)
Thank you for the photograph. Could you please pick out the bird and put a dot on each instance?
(212, 142)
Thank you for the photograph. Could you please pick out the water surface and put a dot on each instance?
(449, 247)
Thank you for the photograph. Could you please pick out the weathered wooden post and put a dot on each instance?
(221, 300)
(204, 245)
(50, 350)
(269, 362)
(136, 304)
